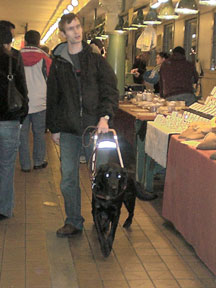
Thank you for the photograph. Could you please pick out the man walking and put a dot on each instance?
(81, 92)
(37, 64)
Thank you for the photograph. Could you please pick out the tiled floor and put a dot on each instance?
(150, 254)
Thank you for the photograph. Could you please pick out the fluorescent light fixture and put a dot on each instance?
(167, 11)
(151, 18)
(208, 2)
(119, 26)
(50, 31)
(154, 4)
(186, 7)
(127, 27)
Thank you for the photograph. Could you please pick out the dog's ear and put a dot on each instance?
(98, 181)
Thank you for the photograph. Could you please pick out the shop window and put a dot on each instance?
(168, 38)
(213, 60)
(190, 39)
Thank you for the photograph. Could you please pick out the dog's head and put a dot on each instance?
(110, 181)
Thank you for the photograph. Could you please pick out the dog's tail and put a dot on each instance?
(142, 194)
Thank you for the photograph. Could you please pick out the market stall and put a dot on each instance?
(189, 199)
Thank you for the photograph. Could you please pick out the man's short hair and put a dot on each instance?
(32, 38)
(67, 18)
(179, 50)
(7, 24)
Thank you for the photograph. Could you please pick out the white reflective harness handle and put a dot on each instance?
(117, 147)
(115, 137)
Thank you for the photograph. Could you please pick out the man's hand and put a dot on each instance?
(135, 72)
(103, 126)
(56, 138)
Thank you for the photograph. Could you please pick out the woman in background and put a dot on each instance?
(152, 77)
(9, 122)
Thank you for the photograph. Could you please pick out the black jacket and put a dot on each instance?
(20, 83)
(73, 105)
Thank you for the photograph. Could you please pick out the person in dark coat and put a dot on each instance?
(177, 76)
(9, 121)
(81, 91)
(139, 68)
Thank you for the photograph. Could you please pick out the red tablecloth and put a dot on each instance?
(190, 198)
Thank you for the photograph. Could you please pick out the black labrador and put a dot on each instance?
(111, 187)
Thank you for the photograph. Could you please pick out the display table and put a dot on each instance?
(157, 140)
(130, 122)
(189, 200)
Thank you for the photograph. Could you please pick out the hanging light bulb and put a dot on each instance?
(186, 7)
(167, 11)
(70, 8)
(74, 3)
(208, 2)
(151, 18)
(66, 12)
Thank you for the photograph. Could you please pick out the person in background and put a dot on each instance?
(177, 76)
(152, 77)
(11, 27)
(81, 92)
(45, 49)
(9, 122)
(37, 64)
(139, 68)
(97, 46)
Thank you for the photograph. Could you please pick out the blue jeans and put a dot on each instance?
(70, 149)
(9, 143)
(187, 97)
(39, 145)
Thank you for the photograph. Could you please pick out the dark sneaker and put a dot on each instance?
(43, 165)
(68, 230)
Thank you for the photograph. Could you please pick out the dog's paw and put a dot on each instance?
(106, 249)
(127, 223)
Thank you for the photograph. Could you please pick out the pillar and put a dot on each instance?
(116, 58)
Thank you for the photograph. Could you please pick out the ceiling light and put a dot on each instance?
(127, 27)
(208, 2)
(186, 7)
(66, 12)
(154, 4)
(138, 20)
(70, 7)
(167, 11)
(151, 18)
(74, 3)
(119, 26)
